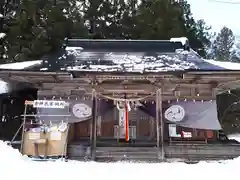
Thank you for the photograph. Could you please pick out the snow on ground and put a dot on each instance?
(14, 166)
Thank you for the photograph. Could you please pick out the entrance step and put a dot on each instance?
(127, 153)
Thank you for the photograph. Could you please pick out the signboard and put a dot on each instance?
(49, 104)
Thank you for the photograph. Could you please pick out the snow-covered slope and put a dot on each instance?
(14, 166)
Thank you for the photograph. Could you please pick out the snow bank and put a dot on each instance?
(15, 166)
(8, 154)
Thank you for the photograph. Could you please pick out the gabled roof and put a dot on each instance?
(124, 56)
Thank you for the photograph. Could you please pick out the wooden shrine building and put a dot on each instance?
(132, 99)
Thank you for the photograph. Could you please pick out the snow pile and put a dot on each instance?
(14, 166)
(8, 154)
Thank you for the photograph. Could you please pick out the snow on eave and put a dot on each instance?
(21, 65)
(227, 65)
(183, 40)
(73, 48)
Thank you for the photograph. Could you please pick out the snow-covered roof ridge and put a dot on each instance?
(183, 40)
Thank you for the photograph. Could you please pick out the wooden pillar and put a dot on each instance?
(93, 135)
(23, 128)
(160, 125)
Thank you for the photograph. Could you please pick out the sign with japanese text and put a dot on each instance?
(49, 104)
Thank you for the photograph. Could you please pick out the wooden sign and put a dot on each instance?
(49, 104)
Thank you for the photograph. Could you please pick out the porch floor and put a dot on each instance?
(142, 150)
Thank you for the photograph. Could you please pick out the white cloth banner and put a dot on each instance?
(122, 123)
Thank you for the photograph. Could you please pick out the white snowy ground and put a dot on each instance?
(14, 166)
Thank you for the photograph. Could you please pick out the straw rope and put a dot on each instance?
(125, 100)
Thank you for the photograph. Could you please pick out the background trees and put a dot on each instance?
(37, 27)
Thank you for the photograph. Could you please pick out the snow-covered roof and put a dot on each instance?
(124, 56)
(150, 56)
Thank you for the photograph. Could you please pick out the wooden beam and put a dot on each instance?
(66, 85)
(53, 93)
